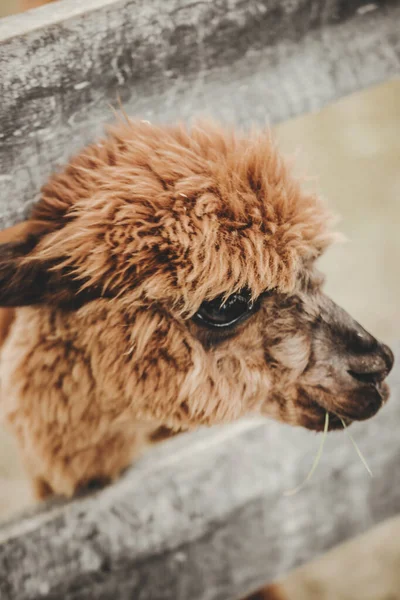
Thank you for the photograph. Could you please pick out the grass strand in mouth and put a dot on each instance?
(316, 460)
(357, 449)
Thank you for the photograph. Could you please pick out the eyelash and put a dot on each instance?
(220, 314)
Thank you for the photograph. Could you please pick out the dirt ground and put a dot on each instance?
(353, 148)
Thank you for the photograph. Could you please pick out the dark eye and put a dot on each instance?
(221, 313)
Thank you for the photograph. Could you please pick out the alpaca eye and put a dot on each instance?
(220, 313)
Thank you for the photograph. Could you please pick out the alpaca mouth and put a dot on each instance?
(357, 405)
(315, 419)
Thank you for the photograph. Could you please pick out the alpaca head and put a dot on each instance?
(205, 248)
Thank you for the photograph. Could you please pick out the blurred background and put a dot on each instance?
(11, 7)
(350, 152)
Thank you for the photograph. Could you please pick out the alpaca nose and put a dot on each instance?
(369, 361)
(356, 363)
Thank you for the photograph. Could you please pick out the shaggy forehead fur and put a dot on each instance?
(173, 215)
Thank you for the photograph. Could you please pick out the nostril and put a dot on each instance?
(371, 367)
(374, 378)
(360, 342)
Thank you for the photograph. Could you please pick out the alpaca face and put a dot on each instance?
(307, 355)
(183, 266)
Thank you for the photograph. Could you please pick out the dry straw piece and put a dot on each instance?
(319, 454)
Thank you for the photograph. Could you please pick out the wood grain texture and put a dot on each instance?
(204, 516)
(254, 61)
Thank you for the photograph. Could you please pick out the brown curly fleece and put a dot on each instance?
(102, 354)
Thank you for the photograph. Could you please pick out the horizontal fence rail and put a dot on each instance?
(62, 65)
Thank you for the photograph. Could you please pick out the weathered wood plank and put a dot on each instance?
(258, 60)
(205, 517)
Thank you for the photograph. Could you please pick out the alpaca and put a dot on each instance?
(167, 280)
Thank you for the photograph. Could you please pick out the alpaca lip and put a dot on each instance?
(383, 390)
(361, 405)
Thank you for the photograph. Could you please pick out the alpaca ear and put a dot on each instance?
(22, 282)
(25, 282)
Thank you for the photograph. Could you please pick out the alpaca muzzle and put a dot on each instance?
(351, 366)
